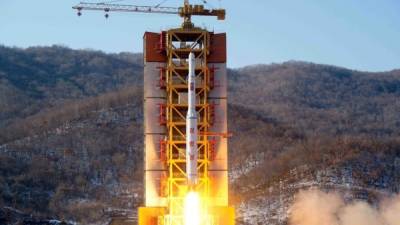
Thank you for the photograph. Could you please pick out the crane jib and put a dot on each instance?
(125, 8)
(186, 11)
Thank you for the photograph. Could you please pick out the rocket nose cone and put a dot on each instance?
(191, 55)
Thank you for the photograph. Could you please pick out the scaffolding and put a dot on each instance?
(179, 44)
(166, 103)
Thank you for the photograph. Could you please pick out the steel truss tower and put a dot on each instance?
(165, 87)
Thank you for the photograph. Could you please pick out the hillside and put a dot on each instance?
(71, 135)
(321, 98)
(43, 77)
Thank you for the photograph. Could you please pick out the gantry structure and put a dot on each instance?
(180, 44)
(166, 71)
(165, 106)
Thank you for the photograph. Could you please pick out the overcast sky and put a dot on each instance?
(357, 34)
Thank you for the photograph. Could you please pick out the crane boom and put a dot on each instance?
(125, 8)
(186, 11)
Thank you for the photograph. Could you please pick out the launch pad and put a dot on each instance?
(166, 69)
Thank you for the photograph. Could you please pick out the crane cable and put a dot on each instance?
(159, 4)
(113, 1)
(162, 2)
(156, 6)
(205, 2)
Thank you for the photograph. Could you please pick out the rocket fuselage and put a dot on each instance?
(191, 126)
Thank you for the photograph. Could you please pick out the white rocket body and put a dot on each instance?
(191, 126)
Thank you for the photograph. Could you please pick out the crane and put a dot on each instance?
(186, 11)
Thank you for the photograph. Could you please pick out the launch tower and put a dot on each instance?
(170, 199)
(166, 72)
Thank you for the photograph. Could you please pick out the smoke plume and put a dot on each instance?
(390, 210)
(315, 207)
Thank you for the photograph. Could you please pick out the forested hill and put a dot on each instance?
(71, 138)
(41, 77)
(321, 98)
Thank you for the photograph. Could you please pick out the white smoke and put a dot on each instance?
(315, 207)
(359, 213)
(390, 210)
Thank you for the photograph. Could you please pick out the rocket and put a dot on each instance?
(191, 127)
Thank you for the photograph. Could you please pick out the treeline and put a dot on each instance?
(76, 161)
(42, 77)
(265, 151)
(51, 118)
(320, 98)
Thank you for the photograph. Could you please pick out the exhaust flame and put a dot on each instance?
(192, 209)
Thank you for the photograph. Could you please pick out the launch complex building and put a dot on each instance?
(166, 69)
